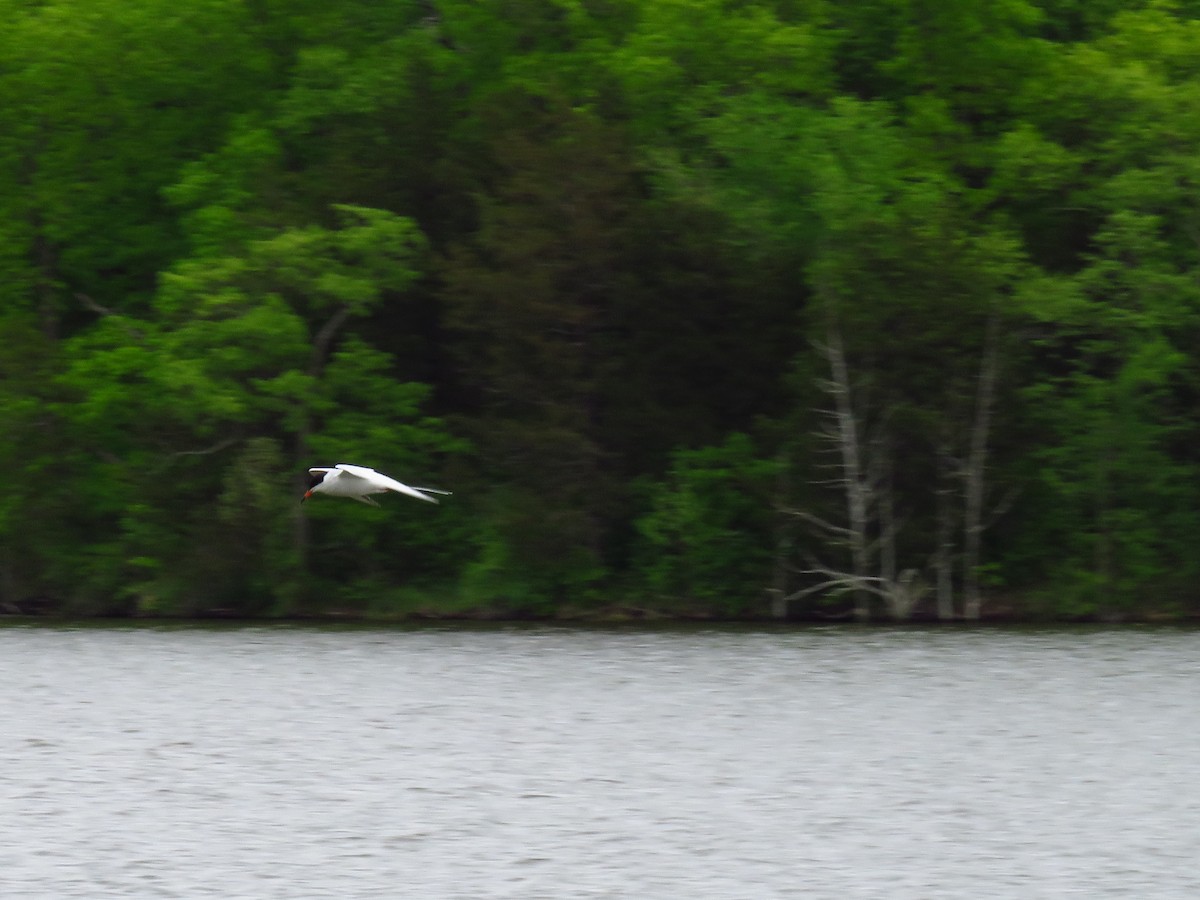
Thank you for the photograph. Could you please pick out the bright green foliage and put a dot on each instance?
(221, 389)
(1117, 413)
(685, 60)
(1128, 503)
(103, 102)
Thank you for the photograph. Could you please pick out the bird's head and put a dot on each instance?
(314, 479)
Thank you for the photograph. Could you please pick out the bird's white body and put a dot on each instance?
(359, 482)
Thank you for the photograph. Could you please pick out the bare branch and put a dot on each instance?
(208, 451)
(93, 305)
(901, 594)
(324, 338)
(104, 311)
(844, 582)
(822, 523)
(1002, 507)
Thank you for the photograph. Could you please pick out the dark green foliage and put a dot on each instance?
(705, 542)
(562, 258)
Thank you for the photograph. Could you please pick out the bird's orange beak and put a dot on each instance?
(307, 494)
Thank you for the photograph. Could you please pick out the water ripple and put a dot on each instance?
(555, 763)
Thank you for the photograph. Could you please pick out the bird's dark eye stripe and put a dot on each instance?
(314, 479)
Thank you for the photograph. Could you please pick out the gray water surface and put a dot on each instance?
(560, 763)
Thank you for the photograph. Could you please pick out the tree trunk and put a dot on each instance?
(783, 546)
(1103, 553)
(975, 473)
(943, 560)
(850, 448)
(322, 346)
(898, 597)
(301, 531)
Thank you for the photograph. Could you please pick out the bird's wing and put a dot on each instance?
(319, 470)
(383, 482)
(357, 472)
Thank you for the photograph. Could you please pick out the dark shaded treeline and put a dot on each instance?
(711, 308)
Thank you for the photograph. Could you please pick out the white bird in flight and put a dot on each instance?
(359, 482)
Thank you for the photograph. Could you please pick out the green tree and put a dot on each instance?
(218, 394)
(80, 173)
(531, 299)
(1119, 319)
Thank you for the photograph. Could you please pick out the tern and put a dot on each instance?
(359, 482)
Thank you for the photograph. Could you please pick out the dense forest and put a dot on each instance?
(771, 308)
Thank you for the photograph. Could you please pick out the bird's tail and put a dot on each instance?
(425, 490)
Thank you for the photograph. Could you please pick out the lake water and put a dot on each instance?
(559, 763)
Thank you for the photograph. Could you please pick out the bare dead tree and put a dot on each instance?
(863, 474)
(900, 595)
(853, 476)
